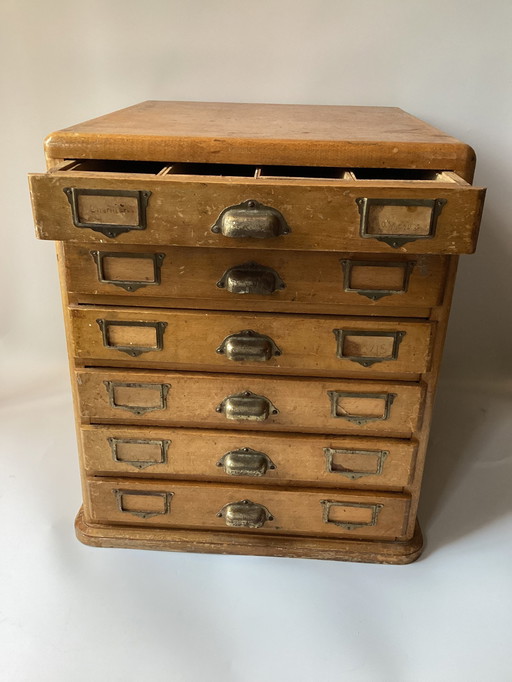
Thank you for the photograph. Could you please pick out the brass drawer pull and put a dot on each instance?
(92, 209)
(247, 406)
(133, 350)
(248, 345)
(250, 220)
(251, 278)
(245, 514)
(246, 462)
(399, 221)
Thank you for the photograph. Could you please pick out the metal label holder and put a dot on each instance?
(347, 525)
(352, 473)
(396, 240)
(376, 294)
(128, 285)
(111, 230)
(360, 419)
(364, 360)
(137, 409)
(139, 463)
(166, 497)
(134, 351)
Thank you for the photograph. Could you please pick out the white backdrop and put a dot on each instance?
(68, 612)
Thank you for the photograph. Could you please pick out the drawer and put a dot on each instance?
(250, 343)
(249, 402)
(247, 457)
(250, 509)
(331, 209)
(228, 279)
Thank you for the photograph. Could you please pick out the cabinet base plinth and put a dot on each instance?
(164, 539)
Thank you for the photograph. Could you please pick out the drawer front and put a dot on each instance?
(254, 343)
(214, 278)
(248, 458)
(250, 509)
(372, 216)
(235, 402)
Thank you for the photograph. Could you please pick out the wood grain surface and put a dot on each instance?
(315, 281)
(191, 505)
(290, 134)
(348, 462)
(191, 399)
(210, 542)
(322, 215)
(306, 346)
(336, 460)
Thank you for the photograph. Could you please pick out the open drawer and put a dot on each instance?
(212, 205)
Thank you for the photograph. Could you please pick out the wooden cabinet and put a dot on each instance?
(256, 298)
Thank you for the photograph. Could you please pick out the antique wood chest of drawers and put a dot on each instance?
(256, 298)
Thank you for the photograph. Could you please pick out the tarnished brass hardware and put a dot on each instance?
(378, 455)
(249, 346)
(247, 406)
(246, 462)
(350, 525)
(251, 220)
(134, 351)
(398, 239)
(251, 278)
(245, 514)
(128, 285)
(367, 361)
(111, 230)
(163, 390)
(163, 445)
(375, 294)
(360, 419)
(166, 499)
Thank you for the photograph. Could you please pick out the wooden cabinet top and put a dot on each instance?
(312, 135)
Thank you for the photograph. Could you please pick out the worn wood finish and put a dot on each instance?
(322, 215)
(290, 134)
(315, 281)
(303, 405)
(190, 505)
(325, 461)
(369, 141)
(307, 346)
(441, 317)
(177, 540)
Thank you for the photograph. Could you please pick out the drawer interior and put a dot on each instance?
(165, 168)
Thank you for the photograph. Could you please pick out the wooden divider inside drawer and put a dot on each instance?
(250, 402)
(254, 343)
(314, 282)
(247, 457)
(247, 509)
